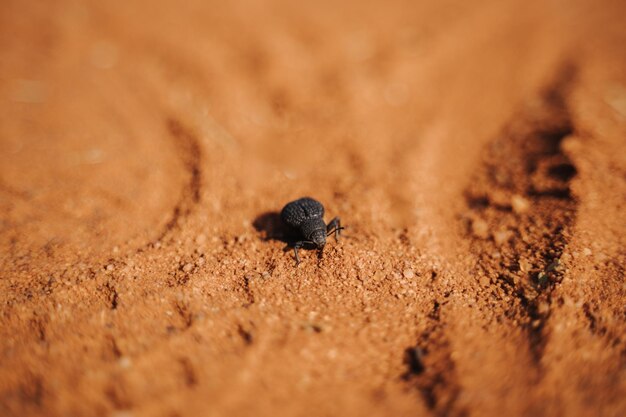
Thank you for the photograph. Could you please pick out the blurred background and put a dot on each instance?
(140, 141)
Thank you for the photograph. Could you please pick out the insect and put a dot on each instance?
(306, 216)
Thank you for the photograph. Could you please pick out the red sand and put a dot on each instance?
(476, 152)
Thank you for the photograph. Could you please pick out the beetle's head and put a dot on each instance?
(319, 238)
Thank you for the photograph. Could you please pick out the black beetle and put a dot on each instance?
(306, 216)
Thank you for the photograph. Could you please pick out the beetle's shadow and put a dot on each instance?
(271, 227)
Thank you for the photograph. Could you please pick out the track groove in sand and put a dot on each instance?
(431, 368)
(522, 194)
(140, 246)
(189, 150)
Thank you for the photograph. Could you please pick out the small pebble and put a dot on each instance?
(524, 265)
(408, 273)
(480, 228)
(502, 236)
(543, 307)
(587, 252)
(519, 204)
(188, 267)
(110, 267)
(125, 362)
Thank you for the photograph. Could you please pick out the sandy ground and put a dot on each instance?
(475, 150)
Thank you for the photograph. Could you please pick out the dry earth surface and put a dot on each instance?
(475, 150)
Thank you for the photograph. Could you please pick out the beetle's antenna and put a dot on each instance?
(335, 230)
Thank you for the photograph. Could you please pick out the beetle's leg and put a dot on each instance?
(297, 246)
(334, 226)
